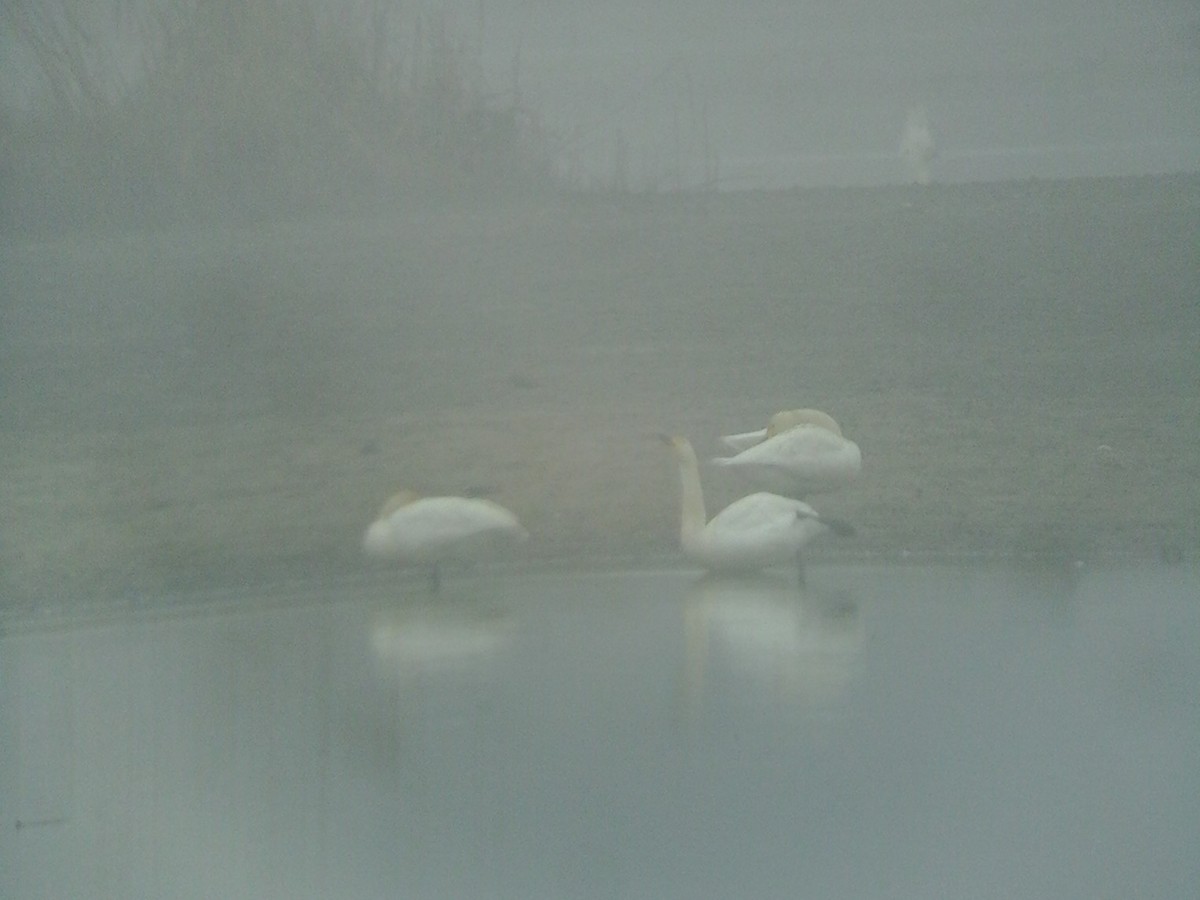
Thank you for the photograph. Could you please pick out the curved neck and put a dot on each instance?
(693, 517)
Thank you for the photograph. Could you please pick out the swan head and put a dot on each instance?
(681, 447)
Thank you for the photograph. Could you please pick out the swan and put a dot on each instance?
(780, 422)
(751, 533)
(419, 530)
(799, 461)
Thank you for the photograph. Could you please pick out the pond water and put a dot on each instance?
(883, 731)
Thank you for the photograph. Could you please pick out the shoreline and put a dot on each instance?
(1016, 360)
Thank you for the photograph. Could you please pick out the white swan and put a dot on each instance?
(427, 530)
(751, 533)
(780, 422)
(798, 462)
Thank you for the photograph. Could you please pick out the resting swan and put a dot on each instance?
(426, 530)
(780, 422)
(798, 461)
(751, 533)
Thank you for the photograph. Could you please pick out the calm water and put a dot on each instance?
(890, 732)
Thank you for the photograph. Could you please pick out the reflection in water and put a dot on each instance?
(439, 637)
(517, 740)
(788, 642)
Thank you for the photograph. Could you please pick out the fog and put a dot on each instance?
(269, 270)
(211, 110)
(270, 264)
(780, 93)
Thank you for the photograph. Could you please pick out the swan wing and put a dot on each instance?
(802, 443)
(759, 515)
(759, 530)
(464, 517)
(782, 421)
(747, 439)
(807, 458)
(436, 526)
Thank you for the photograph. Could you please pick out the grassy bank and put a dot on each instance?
(1019, 363)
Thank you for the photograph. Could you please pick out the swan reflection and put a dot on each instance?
(772, 637)
(426, 638)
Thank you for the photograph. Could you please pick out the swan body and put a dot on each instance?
(778, 423)
(798, 462)
(751, 533)
(428, 530)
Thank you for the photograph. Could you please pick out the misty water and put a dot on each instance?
(884, 731)
(247, 293)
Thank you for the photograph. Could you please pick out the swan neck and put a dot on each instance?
(693, 515)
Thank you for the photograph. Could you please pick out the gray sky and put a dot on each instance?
(772, 93)
(818, 92)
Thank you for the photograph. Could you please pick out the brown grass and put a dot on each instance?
(1018, 362)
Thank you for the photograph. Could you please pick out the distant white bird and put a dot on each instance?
(781, 421)
(799, 461)
(418, 530)
(751, 533)
(917, 146)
